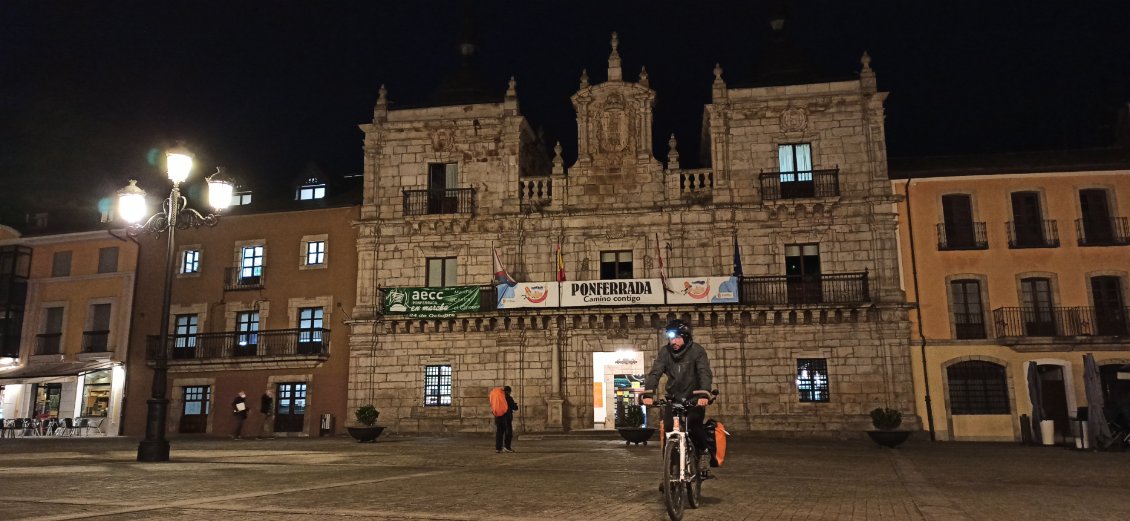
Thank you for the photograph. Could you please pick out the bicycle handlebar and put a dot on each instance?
(689, 402)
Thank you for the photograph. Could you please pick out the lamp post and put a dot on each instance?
(174, 214)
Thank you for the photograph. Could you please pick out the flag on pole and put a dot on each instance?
(560, 265)
(737, 258)
(659, 265)
(500, 272)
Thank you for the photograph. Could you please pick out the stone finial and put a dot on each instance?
(510, 102)
(867, 76)
(512, 88)
(382, 96)
(672, 153)
(718, 89)
(717, 73)
(584, 78)
(558, 161)
(614, 71)
(865, 60)
(643, 77)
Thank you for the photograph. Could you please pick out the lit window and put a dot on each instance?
(310, 325)
(315, 252)
(312, 189)
(184, 334)
(437, 385)
(241, 199)
(812, 379)
(191, 261)
(251, 262)
(247, 324)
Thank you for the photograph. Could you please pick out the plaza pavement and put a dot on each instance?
(552, 477)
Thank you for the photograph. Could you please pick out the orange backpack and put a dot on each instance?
(498, 404)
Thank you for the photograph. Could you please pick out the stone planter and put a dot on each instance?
(636, 435)
(365, 434)
(890, 439)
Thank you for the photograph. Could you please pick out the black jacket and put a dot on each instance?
(266, 404)
(687, 372)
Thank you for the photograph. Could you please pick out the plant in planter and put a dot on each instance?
(886, 420)
(366, 415)
(630, 425)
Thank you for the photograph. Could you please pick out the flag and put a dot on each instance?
(500, 272)
(737, 258)
(659, 265)
(560, 265)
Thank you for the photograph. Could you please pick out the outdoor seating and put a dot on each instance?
(8, 429)
(81, 425)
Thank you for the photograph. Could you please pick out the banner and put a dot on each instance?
(527, 295)
(620, 292)
(431, 302)
(703, 290)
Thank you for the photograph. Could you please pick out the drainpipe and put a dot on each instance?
(918, 312)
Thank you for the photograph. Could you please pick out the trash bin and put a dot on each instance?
(1047, 431)
(327, 425)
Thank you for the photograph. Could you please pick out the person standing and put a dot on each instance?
(239, 410)
(267, 408)
(503, 406)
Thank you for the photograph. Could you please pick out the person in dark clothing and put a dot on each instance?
(239, 410)
(504, 425)
(688, 376)
(267, 408)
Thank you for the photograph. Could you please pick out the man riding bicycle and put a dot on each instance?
(688, 375)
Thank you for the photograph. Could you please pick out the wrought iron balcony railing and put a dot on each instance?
(1033, 234)
(95, 341)
(436, 202)
(239, 278)
(832, 288)
(1061, 322)
(969, 326)
(958, 237)
(245, 344)
(798, 185)
(48, 344)
(1103, 232)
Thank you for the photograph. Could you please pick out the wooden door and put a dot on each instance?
(290, 407)
(957, 213)
(1097, 226)
(1027, 219)
(1110, 311)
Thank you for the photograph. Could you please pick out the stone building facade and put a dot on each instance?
(813, 336)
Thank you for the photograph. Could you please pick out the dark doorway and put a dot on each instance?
(957, 213)
(1037, 307)
(1116, 390)
(802, 273)
(1027, 219)
(1097, 226)
(1110, 311)
(194, 416)
(291, 409)
(1054, 394)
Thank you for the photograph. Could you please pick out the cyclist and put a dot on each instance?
(688, 375)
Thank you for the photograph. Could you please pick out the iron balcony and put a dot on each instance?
(242, 345)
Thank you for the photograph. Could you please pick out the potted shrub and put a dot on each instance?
(366, 416)
(886, 420)
(630, 425)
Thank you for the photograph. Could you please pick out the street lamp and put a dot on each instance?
(174, 214)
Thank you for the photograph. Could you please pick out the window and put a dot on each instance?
(61, 264)
(313, 189)
(315, 253)
(47, 399)
(190, 261)
(108, 260)
(194, 418)
(812, 379)
(241, 198)
(958, 229)
(310, 327)
(97, 335)
(1037, 307)
(795, 164)
(437, 385)
(184, 335)
(50, 341)
(96, 393)
(1096, 226)
(978, 387)
(615, 265)
(251, 263)
(441, 272)
(968, 316)
(1110, 309)
(802, 274)
(290, 413)
(1029, 230)
(247, 326)
(443, 179)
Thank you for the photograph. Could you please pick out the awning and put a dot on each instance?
(51, 371)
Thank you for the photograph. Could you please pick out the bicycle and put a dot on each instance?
(681, 470)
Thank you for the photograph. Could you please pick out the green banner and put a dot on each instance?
(431, 302)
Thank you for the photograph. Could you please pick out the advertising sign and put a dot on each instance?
(527, 295)
(431, 302)
(622, 292)
(703, 290)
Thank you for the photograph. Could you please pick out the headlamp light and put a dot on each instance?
(671, 335)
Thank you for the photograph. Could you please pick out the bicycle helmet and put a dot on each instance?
(679, 328)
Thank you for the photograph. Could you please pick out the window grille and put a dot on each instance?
(812, 379)
(978, 387)
(437, 385)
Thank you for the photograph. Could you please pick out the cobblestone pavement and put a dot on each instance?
(552, 477)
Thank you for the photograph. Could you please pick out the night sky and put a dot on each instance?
(88, 90)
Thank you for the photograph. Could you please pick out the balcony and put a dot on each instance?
(696, 185)
(241, 345)
(95, 341)
(1061, 322)
(48, 344)
(1033, 234)
(238, 278)
(439, 202)
(533, 192)
(800, 185)
(781, 290)
(956, 237)
(1103, 232)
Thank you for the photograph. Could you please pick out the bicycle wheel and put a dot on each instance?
(694, 486)
(672, 486)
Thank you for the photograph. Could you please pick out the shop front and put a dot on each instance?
(617, 382)
(63, 399)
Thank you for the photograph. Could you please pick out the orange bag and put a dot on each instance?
(498, 404)
(719, 443)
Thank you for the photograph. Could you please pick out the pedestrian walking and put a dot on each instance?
(267, 408)
(239, 410)
(503, 407)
